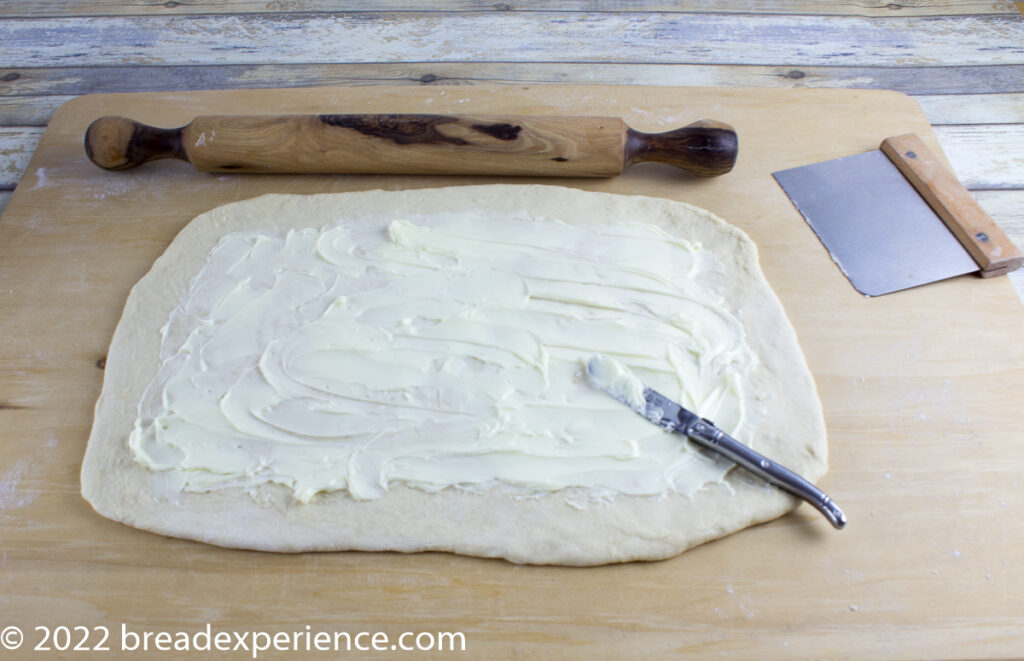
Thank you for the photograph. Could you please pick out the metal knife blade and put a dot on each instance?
(616, 380)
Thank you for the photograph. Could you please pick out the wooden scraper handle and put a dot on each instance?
(954, 204)
(412, 144)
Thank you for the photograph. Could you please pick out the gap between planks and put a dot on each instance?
(75, 80)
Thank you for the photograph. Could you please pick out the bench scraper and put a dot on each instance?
(897, 218)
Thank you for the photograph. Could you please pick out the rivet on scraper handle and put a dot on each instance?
(975, 229)
(413, 144)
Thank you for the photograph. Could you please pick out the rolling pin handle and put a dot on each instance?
(119, 143)
(706, 148)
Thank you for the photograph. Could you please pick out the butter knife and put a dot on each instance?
(616, 380)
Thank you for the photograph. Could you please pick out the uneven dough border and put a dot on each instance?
(537, 530)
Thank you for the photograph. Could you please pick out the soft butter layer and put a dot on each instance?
(443, 350)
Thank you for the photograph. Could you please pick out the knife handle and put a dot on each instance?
(412, 144)
(954, 204)
(707, 434)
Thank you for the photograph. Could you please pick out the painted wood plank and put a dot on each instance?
(985, 157)
(910, 80)
(17, 144)
(974, 108)
(54, 8)
(29, 110)
(1007, 208)
(514, 36)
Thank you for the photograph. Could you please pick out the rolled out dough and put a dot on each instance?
(544, 528)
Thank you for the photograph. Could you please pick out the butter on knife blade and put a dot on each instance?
(617, 380)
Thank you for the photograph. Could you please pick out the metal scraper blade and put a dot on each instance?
(879, 230)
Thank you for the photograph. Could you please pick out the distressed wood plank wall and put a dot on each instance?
(32, 8)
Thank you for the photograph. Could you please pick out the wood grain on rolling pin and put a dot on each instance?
(416, 144)
(531, 145)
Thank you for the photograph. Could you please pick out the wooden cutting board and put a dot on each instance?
(922, 392)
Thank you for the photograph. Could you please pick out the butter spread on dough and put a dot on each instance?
(236, 491)
(441, 350)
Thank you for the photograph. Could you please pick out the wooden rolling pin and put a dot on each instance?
(412, 144)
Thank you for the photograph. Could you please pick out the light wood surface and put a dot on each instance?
(920, 389)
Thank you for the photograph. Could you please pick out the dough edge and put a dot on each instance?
(540, 529)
